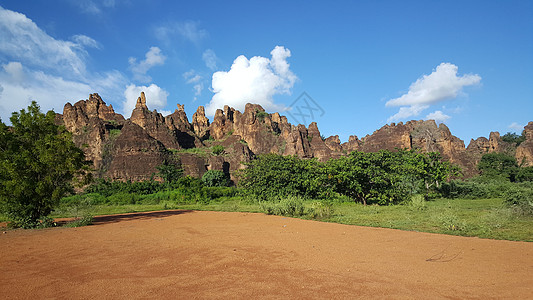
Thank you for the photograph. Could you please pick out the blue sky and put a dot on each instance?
(362, 64)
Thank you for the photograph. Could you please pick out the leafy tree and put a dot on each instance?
(368, 177)
(215, 178)
(276, 176)
(169, 172)
(513, 138)
(38, 162)
(498, 165)
(525, 174)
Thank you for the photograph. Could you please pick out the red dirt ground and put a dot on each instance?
(193, 254)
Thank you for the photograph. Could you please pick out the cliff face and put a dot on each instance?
(524, 152)
(132, 149)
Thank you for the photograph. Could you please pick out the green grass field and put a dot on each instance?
(484, 218)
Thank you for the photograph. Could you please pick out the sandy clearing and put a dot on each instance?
(193, 254)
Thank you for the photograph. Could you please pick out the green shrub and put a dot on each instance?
(321, 209)
(217, 149)
(261, 115)
(215, 178)
(290, 206)
(520, 199)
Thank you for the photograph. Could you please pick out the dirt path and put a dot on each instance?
(183, 254)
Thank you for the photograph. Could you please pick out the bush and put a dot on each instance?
(520, 199)
(321, 209)
(273, 176)
(217, 149)
(215, 178)
(289, 206)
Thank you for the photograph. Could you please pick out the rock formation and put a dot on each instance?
(132, 149)
(524, 152)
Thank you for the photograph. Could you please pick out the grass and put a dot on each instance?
(484, 218)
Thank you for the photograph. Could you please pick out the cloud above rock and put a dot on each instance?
(255, 80)
(153, 58)
(441, 85)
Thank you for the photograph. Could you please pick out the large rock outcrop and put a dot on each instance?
(524, 152)
(132, 149)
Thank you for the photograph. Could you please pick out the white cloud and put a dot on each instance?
(442, 84)
(191, 77)
(516, 127)
(84, 40)
(189, 30)
(153, 58)
(21, 86)
(407, 112)
(156, 98)
(438, 116)
(23, 41)
(36, 66)
(255, 80)
(210, 59)
(93, 7)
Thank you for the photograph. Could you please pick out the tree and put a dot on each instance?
(498, 165)
(169, 172)
(513, 138)
(38, 163)
(276, 176)
(215, 178)
(368, 176)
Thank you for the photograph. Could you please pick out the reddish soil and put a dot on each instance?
(184, 254)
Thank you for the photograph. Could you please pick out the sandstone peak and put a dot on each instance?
(141, 102)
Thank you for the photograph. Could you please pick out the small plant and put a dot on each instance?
(114, 133)
(231, 132)
(450, 221)
(217, 149)
(418, 202)
(321, 210)
(261, 115)
(215, 178)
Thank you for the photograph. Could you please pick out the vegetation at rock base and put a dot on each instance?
(215, 178)
(38, 162)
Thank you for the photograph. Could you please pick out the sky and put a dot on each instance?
(350, 66)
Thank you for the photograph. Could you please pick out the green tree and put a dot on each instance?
(368, 177)
(276, 176)
(38, 162)
(169, 172)
(498, 165)
(513, 138)
(215, 178)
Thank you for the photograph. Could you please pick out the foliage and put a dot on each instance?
(169, 172)
(520, 199)
(290, 206)
(215, 178)
(368, 177)
(498, 165)
(525, 174)
(38, 162)
(261, 115)
(513, 138)
(217, 149)
(321, 209)
(275, 176)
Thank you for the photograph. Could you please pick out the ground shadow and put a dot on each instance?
(100, 220)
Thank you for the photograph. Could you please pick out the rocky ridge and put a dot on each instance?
(131, 149)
